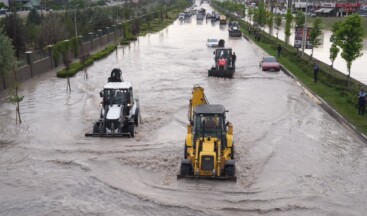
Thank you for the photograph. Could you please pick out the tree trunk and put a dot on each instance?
(332, 64)
(68, 88)
(348, 78)
(86, 73)
(4, 82)
(18, 112)
(17, 109)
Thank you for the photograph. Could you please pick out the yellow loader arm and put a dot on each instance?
(198, 98)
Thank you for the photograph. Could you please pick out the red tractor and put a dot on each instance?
(224, 63)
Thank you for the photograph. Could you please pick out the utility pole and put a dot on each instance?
(304, 40)
(76, 29)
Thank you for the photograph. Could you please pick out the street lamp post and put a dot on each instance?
(76, 29)
(304, 40)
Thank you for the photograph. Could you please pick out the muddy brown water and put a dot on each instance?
(292, 158)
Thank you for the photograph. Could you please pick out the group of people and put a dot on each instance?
(256, 33)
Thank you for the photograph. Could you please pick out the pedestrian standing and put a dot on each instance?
(316, 70)
(279, 48)
(234, 59)
(361, 102)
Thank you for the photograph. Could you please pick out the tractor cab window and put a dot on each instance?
(223, 53)
(208, 125)
(116, 96)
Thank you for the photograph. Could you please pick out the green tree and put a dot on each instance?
(34, 17)
(270, 22)
(278, 22)
(53, 30)
(14, 96)
(288, 25)
(349, 37)
(300, 19)
(315, 33)
(32, 32)
(7, 56)
(251, 14)
(260, 14)
(2, 5)
(243, 9)
(333, 53)
(14, 28)
(334, 49)
(7, 65)
(100, 20)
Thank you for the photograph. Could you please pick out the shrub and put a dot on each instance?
(78, 66)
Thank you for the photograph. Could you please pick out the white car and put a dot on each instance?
(211, 42)
(181, 16)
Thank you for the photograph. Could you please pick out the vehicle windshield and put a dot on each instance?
(116, 96)
(212, 40)
(223, 53)
(269, 59)
(208, 125)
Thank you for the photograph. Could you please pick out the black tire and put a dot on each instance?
(136, 117)
(232, 154)
(185, 169)
(132, 130)
(96, 128)
(229, 170)
(185, 151)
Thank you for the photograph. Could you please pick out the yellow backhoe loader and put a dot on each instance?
(209, 147)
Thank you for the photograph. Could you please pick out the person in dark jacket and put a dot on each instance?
(361, 102)
(234, 59)
(279, 49)
(316, 70)
(115, 76)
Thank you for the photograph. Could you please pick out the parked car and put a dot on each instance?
(269, 63)
(181, 16)
(3, 11)
(212, 42)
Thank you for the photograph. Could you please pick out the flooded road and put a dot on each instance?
(292, 158)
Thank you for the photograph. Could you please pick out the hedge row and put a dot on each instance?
(78, 66)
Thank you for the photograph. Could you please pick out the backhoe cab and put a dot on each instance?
(119, 109)
(209, 149)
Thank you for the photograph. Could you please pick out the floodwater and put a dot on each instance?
(322, 53)
(292, 158)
